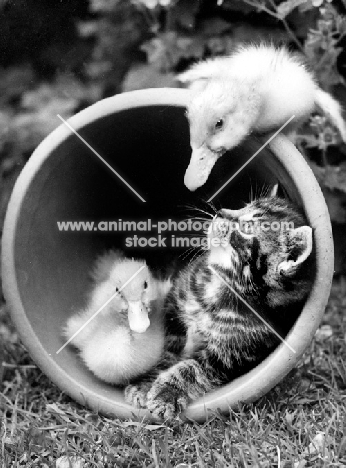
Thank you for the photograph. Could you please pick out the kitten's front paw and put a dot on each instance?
(165, 401)
(136, 394)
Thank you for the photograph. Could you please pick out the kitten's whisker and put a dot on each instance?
(257, 193)
(184, 255)
(187, 252)
(212, 206)
(191, 207)
(197, 255)
(266, 190)
(198, 218)
(205, 212)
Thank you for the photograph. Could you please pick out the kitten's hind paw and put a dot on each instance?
(165, 401)
(136, 394)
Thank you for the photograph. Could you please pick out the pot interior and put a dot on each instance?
(149, 147)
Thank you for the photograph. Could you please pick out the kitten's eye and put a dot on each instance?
(219, 124)
(145, 284)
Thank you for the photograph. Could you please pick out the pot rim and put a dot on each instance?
(246, 388)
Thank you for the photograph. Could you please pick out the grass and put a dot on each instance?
(300, 423)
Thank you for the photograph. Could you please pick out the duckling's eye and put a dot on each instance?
(219, 124)
(145, 284)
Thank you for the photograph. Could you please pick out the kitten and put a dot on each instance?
(218, 336)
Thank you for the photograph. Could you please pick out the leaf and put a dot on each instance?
(237, 5)
(285, 8)
(14, 81)
(299, 464)
(150, 427)
(159, 51)
(103, 5)
(23, 131)
(87, 28)
(317, 445)
(53, 407)
(1, 361)
(290, 416)
(70, 462)
(166, 50)
(334, 177)
(214, 26)
(147, 76)
(220, 45)
(185, 12)
(336, 206)
(191, 47)
(154, 427)
(324, 332)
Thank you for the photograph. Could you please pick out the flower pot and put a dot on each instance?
(144, 136)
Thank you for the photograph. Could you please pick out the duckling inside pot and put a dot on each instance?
(125, 335)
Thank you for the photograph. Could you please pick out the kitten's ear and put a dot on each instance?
(201, 71)
(274, 191)
(300, 241)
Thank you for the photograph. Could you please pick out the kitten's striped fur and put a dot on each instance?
(215, 336)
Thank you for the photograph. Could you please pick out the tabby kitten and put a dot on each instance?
(217, 336)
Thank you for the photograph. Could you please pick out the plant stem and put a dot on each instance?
(261, 8)
(293, 36)
(288, 29)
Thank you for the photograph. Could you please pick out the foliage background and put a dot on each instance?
(61, 56)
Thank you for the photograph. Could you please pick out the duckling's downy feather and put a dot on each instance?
(257, 89)
(107, 344)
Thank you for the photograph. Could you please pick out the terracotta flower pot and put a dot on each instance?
(144, 136)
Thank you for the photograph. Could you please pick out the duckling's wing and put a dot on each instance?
(204, 70)
(105, 263)
(75, 324)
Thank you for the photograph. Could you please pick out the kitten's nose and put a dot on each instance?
(220, 227)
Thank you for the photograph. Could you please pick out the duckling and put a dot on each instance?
(126, 338)
(257, 89)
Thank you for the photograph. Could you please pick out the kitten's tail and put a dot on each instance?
(332, 109)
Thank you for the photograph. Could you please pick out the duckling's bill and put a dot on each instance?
(201, 163)
(138, 316)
